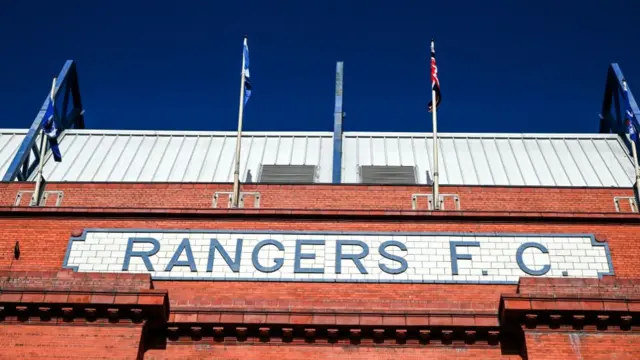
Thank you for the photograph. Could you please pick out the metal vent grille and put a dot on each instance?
(286, 174)
(387, 175)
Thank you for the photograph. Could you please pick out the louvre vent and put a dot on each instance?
(387, 175)
(286, 174)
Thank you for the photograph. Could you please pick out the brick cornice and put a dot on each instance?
(601, 304)
(381, 328)
(318, 317)
(83, 306)
(114, 212)
(68, 297)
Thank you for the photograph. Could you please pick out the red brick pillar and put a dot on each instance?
(575, 318)
(77, 316)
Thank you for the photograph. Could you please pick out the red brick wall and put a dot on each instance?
(297, 352)
(69, 342)
(335, 296)
(324, 196)
(582, 346)
(44, 250)
(43, 241)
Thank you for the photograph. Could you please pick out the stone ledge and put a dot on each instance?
(22, 306)
(331, 335)
(319, 318)
(72, 281)
(318, 213)
(602, 304)
(607, 287)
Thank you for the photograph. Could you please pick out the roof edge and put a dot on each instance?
(483, 135)
(328, 134)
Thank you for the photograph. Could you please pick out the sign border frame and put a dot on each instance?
(82, 237)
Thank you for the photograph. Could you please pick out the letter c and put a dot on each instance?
(545, 269)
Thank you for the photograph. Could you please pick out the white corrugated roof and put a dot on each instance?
(566, 160)
(170, 156)
(10, 140)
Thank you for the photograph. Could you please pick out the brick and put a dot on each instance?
(324, 319)
(370, 320)
(32, 297)
(102, 299)
(440, 320)
(347, 320)
(298, 319)
(486, 321)
(150, 299)
(10, 297)
(185, 317)
(56, 298)
(125, 299)
(394, 321)
(75, 298)
(211, 318)
(418, 320)
(592, 305)
(255, 318)
(615, 305)
(231, 318)
(517, 304)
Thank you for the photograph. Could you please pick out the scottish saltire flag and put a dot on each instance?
(435, 82)
(247, 77)
(50, 130)
(631, 130)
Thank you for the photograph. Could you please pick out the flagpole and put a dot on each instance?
(436, 183)
(35, 199)
(634, 151)
(236, 172)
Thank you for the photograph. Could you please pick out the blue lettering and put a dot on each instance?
(144, 255)
(185, 246)
(256, 251)
(455, 256)
(403, 263)
(355, 257)
(545, 269)
(300, 256)
(234, 265)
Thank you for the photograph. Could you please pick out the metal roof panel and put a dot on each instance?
(563, 160)
(595, 160)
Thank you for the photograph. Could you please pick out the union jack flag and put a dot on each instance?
(435, 82)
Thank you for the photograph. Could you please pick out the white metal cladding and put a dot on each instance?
(562, 160)
(10, 141)
(181, 156)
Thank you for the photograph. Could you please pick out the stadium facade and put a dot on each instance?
(134, 252)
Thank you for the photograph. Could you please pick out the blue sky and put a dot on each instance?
(505, 66)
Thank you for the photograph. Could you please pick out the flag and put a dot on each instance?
(629, 115)
(50, 130)
(435, 82)
(245, 70)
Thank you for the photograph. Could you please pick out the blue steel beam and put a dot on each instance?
(613, 105)
(21, 166)
(338, 116)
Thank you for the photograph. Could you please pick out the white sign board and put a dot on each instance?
(337, 257)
